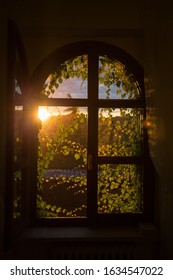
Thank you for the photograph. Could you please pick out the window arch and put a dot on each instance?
(93, 164)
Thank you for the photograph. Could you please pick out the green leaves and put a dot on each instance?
(119, 189)
(77, 156)
(75, 67)
(66, 152)
(62, 141)
(112, 74)
(114, 186)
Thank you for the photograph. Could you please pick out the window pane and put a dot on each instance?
(115, 82)
(62, 162)
(18, 150)
(18, 121)
(120, 132)
(69, 81)
(18, 91)
(17, 195)
(119, 188)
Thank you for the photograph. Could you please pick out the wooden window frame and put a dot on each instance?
(17, 69)
(49, 65)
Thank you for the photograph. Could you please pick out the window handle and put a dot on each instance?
(90, 161)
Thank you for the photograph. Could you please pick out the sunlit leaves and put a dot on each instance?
(77, 156)
(73, 187)
(75, 67)
(114, 77)
(119, 189)
(120, 133)
(17, 195)
(63, 145)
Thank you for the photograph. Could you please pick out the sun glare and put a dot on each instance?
(43, 114)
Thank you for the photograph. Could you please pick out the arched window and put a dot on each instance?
(90, 161)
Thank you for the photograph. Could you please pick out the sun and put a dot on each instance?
(43, 114)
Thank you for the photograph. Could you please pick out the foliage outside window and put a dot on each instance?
(63, 161)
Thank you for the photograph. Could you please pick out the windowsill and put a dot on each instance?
(136, 242)
(135, 233)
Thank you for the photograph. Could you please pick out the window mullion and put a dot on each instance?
(92, 134)
(121, 103)
(121, 160)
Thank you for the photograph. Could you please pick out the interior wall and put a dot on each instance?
(45, 26)
(39, 48)
(157, 24)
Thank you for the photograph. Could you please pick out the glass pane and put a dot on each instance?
(115, 82)
(62, 162)
(18, 151)
(17, 89)
(18, 133)
(120, 132)
(69, 81)
(17, 195)
(119, 188)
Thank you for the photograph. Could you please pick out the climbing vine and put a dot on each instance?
(63, 145)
